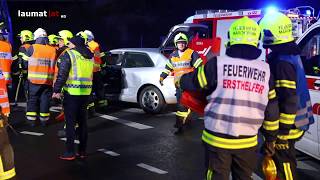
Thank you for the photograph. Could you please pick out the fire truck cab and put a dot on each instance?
(208, 31)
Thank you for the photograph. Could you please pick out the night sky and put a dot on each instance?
(126, 23)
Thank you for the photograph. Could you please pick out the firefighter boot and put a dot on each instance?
(179, 125)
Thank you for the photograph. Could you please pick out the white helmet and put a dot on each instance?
(40, 33)
(89, 34)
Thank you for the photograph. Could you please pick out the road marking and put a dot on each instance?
(125, 122)
(75, 141)
(151, 168)
(111, 153)
(32, 133)
(305, 166)
(133, 110)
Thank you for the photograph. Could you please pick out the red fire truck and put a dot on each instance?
(207, 31)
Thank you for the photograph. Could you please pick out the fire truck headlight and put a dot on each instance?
(271, 9)
(308, 12)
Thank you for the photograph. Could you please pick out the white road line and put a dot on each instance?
(32, 133)
(133, 110)
(151, 168)
(111, 153)
(125, 122)
(305, 166)
(75, 141)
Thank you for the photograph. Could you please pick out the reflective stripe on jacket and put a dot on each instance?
(6, 60)
(41, 64)
(237, 106)
(79, 81)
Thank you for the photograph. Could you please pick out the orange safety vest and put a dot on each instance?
(4, 101)
(41, 65)
(95, 49)
(6, 60)
(182, 65)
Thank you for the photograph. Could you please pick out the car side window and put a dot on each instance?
(134, 60)
(310, 54)
(114, 59)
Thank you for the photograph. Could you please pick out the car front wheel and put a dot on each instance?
(151, 100)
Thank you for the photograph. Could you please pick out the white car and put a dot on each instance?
(132, 75)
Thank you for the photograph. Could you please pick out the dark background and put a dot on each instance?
(126, 23)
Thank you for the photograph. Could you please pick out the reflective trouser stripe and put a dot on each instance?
(1, 165)
(44, 114)
(287, 171)
(183, 115)
(229, 143)
(209, 174)
(271, 125)
(293, 134)
(90, 105)
(287, 118)
(31, 116)
(8, 174)
(272, 94)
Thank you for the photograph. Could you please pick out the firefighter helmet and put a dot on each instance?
(83, 35)
(244, 31)
(53, 39)
(180, 37)
(276, 29)
(65, 35)
(89, 35)
(39, 33)
(26, 35)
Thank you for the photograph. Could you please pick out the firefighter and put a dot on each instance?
(63, 39)
(41, 64)
(75, 77)
(291, 89)
(18, 69)
(7, 170)
(240, 91)
(97, 88)
(181, 61)
(6, 60)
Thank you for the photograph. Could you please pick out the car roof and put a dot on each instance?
(156, 56)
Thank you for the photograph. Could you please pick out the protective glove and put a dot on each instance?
(161, 81)
(269, 148)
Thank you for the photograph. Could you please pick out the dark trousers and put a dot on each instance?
(38, 99)
(6, 153)
(285, 160)
(182, 113)
(97, 85)
(75, 111)
(220, 162)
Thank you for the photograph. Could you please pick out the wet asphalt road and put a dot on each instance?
(124, 143)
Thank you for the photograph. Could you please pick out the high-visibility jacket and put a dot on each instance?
(41, 64)
(6, 60)
(95, 49)
(79, 81)
(181, 65)
(56, 67)
(4, 101)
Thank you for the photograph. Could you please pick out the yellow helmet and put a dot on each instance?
(276, 29)
(53, 39)
(83, 35)
(244, 31)
(180, 37)
(65, 35)
(26, 35)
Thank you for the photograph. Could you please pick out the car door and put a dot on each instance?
(310, 57)
(135, 68)
(112, 73)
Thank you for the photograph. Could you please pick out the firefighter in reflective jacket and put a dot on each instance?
(6, 60)
(181, 61)
(241, 91)
(75, 77)
(291, 88)
(19, 72)
(97, 87)
(41, 63)
(7, 169)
